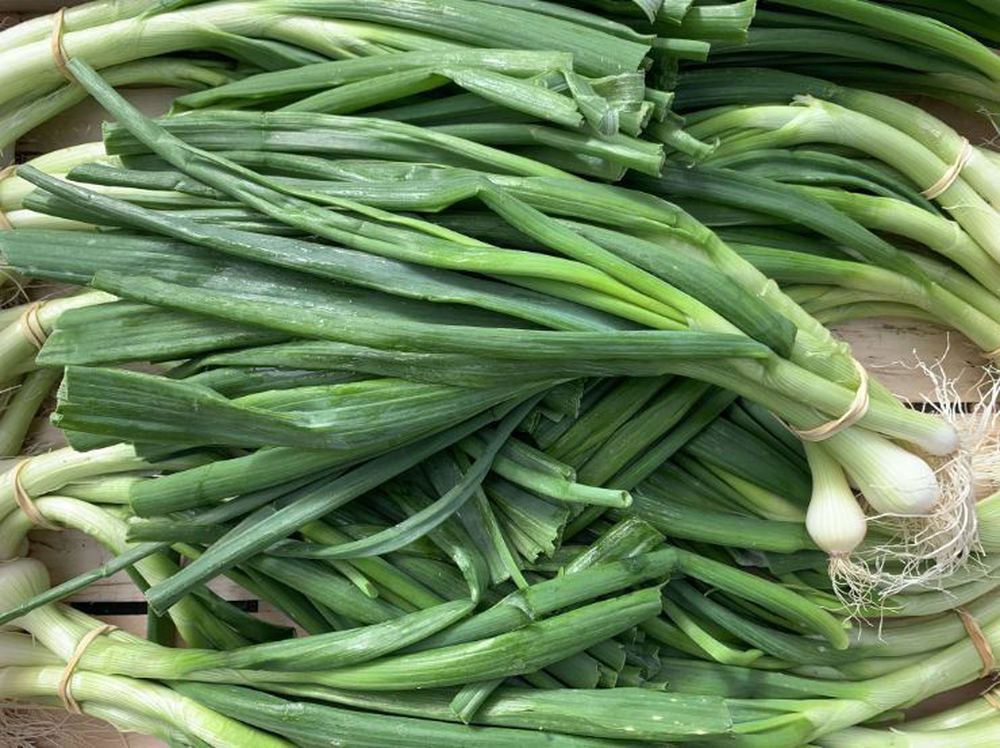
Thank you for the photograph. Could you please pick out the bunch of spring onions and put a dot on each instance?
(938, 49)
(616, 272)
(478, 338)
(845, 199)
(746, 663)
(138, 41)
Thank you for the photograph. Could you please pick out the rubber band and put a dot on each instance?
(4, 221)
(24, 501)
(979, 641)
(991, 697)
(56, 45)
(31, 325)
(951, 173)
(65, 692)
(859, 406)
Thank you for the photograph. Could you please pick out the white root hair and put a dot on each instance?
(921, 552)
(24, 725)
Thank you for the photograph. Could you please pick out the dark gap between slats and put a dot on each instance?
(138, 607)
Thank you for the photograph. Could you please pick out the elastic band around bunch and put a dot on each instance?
(951, 173)
(979, 641)
(991, 698)
(24, 501)
(4, 221)
(65, 692)
(59, 56)
(857, 410)
(31, 325)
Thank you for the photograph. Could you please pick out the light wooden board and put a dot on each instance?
(892, 350)
(82, 123)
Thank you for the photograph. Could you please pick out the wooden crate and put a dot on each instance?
(890, 349)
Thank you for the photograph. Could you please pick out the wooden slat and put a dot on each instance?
(892, 349)
(82, 123)
(10, 19)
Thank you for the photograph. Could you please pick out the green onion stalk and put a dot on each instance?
(981, 733)
(18, 414)
(851, 45)
(915, 28)
(13, 190)
(369, 728)
(714, 86)
(847, 451)
(941, 286)
(979, 171)
(814, 120)
(20, 340)
(766, 708)
(49, 472)
(965, 90)
(128, 703)
(79, 17)
(195, 625)
(849, 311)
(936, 233)
(967, 307)
(341, 30)
(895, 409)
(17, 118)
(977, 710)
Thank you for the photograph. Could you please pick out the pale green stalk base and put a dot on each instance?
(818, 121)
(17, 351)
(145, 699)
(983, 734)
(49, 472)
(13, 188)
(945, 237)
(980, 172)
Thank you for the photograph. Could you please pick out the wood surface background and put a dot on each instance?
(890, 349)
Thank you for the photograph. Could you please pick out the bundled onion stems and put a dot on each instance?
(500, 437)
(647, 290)
(760, 705)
